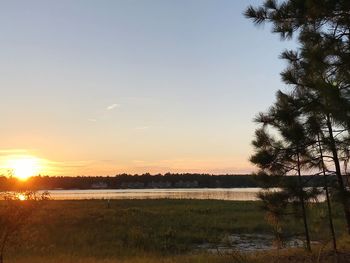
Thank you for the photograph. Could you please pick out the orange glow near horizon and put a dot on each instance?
(25, 167)
(26, 164)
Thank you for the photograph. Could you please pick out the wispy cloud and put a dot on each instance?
(102, 114)
(13, 151)
(113, 106)
(142, 128)
(148, 127)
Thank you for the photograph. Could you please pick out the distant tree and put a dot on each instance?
(17, 208)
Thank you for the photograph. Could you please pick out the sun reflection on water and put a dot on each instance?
(21, 197)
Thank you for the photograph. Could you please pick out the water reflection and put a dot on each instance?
(236, 194)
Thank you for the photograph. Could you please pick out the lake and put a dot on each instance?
(235, 194)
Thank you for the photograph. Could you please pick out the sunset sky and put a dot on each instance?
(112, 86)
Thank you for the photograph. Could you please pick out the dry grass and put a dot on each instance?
(165, 231)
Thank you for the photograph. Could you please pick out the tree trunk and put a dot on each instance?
(343, 192)
(329, 207)
(302, 201)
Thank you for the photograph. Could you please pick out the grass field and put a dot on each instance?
(143, 231)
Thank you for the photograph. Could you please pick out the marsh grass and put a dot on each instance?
(139, 259)
(145, 230)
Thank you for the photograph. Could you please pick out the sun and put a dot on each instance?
(24, 167)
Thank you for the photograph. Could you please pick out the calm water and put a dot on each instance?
(237, 194)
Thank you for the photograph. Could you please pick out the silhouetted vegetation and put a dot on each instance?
(307, 128)
(16, 211)
(145, 181)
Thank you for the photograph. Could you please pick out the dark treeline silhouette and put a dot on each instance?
(167, 180)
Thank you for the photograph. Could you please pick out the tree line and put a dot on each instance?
(144, 181)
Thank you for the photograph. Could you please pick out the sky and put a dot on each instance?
(135, 86)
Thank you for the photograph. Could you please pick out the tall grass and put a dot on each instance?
(144, 230)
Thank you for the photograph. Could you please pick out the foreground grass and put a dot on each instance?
(140, 259)
(142, 231)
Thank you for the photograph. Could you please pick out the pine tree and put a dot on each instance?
(314, 131)
(287, 155)
(320, 71)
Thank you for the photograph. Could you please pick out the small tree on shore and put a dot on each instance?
(274, 203)
(286, 155)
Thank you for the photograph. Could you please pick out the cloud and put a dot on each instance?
(113, 106)
(13, 151)
(102, 114)
(142, 128)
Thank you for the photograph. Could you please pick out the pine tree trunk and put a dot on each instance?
(303, 210)
(343, 192)
(329, 207)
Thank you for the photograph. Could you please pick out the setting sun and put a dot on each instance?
(25, 167)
